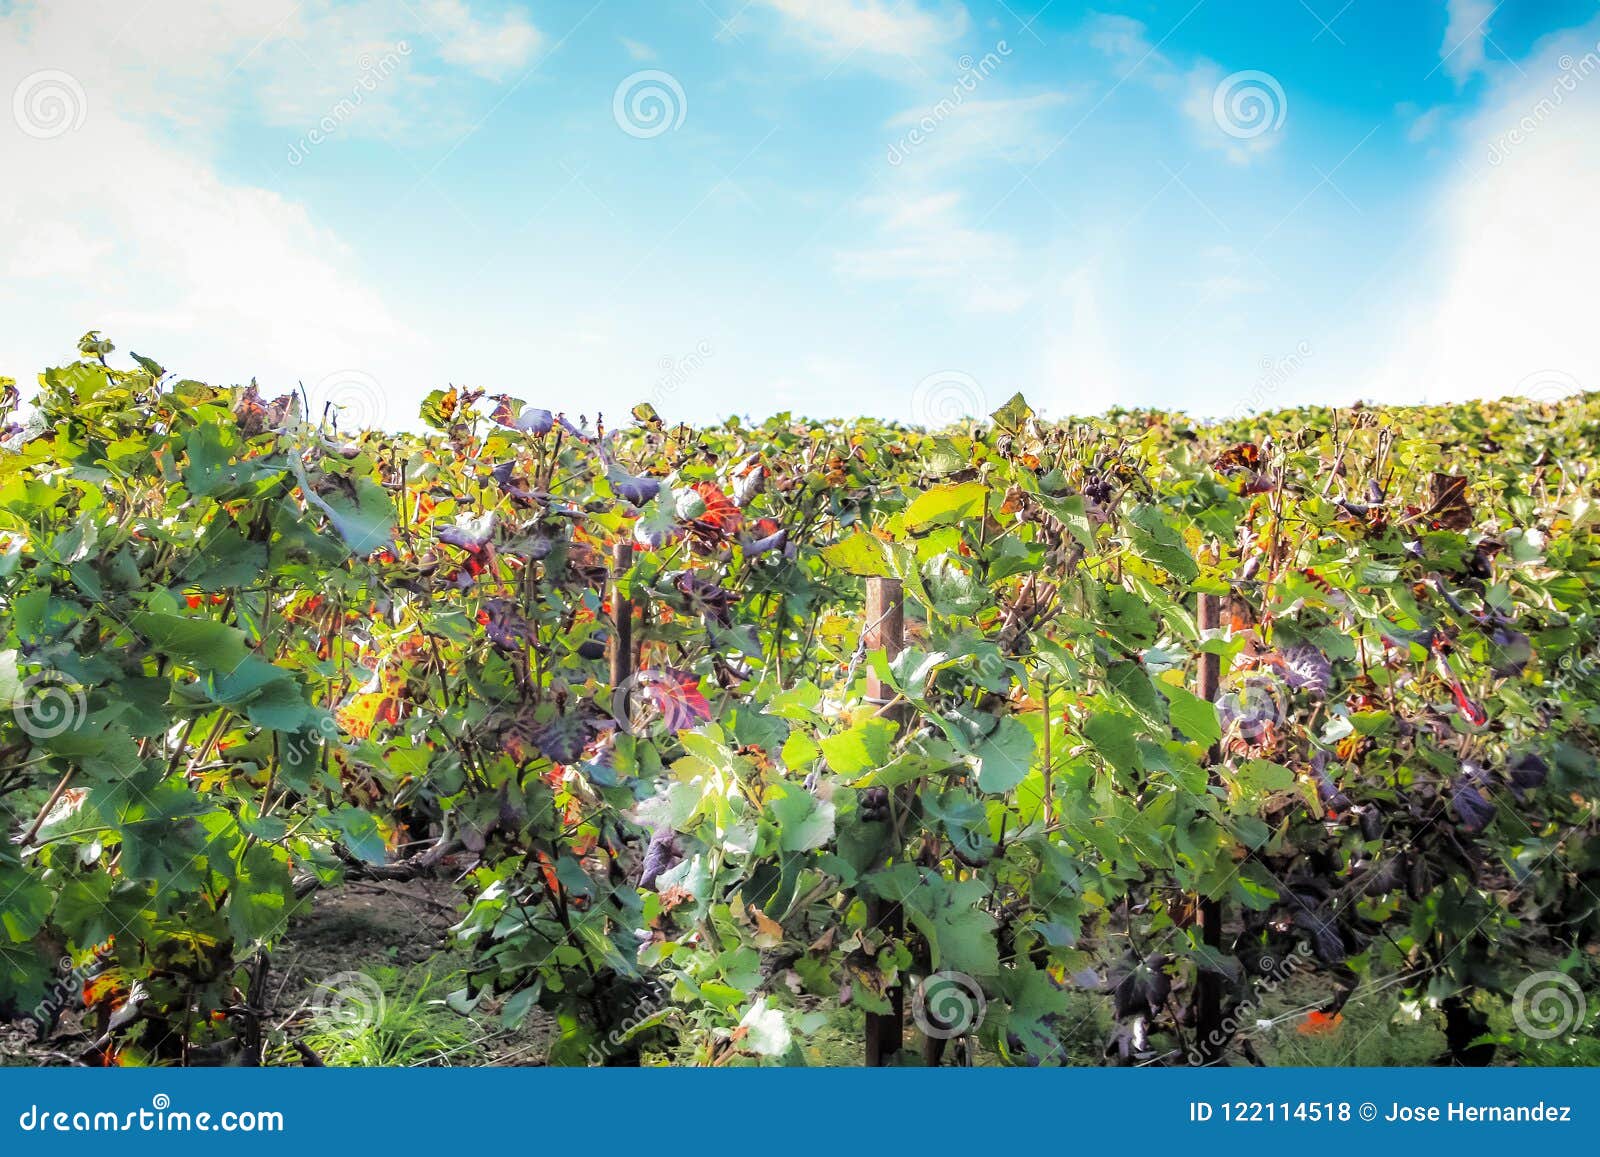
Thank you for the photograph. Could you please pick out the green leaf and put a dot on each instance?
(201, 643)
(1154, 538)
(942, 505)
(1005, 757)
(1192, 715)
(804, 821)
(1113, 736)
(1012, 416)
(360, 834)
(867, 745)
(860, 554)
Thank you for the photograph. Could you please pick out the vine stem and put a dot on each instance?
(1208, 989)
(49, 806)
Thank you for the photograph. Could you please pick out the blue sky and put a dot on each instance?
(907, 209)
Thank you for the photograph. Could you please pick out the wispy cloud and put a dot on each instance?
(1462, 52)
(1239, 113)
(1506, 297)
(492, 49)
(946, 133)
(928, 240)
(871, 27)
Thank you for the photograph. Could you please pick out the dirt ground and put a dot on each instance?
(397, 931)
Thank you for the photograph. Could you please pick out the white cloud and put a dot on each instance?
(1509, 301)
(638, 50)
(491, 49)
(1124, 39)
(1243, 114)
(950, 132)
(125, 224)
(1082, 372)
(1231, 127)
(48, 249)
(872, 27)
(1462, 52)
(926, 239)
(1421, 124)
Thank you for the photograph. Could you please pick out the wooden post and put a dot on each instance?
(621, 617)
(886, 631)
(1208, 988)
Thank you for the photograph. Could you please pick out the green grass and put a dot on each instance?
(411, 1025)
